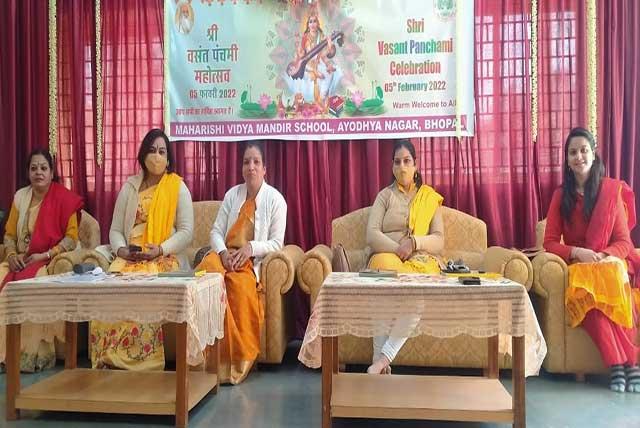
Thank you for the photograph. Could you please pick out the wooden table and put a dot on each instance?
(448, 398)
(455, 398)
(114, 391)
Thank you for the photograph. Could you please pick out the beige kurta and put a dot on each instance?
(389, 223)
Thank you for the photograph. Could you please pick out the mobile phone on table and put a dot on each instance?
(135, 249)
(469, 280)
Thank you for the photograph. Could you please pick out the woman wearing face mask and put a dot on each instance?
(250, 224)
(42, 223)
(588, 226)
(405, 233)
(152, 225)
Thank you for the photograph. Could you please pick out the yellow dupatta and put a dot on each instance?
(162, 212)
(422, 209)
(604, 286)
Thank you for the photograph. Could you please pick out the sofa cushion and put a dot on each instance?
(340, 262)
(350, 230)
(204, 215)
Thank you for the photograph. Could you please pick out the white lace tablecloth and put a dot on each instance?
(442, 307)
(200, 302)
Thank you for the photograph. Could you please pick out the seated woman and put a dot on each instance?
(405, 233)
(43, 223)
(152, 225)
(250, 224)
(591, 214)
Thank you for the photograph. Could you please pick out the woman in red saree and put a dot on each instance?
(42, 223)
(588, 226)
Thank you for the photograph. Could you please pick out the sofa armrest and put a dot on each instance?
(295, 253)
(64, 262)
(314, 268)
(511, 264)
(551, 277)
(277, 273)
(278, 268)
(550, 273)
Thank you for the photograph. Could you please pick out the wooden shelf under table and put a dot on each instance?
(114, 391)
(459, 398)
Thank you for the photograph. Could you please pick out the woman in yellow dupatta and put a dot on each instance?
(405, 233)
(153, 212)
(250, 224)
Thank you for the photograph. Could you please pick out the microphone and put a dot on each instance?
(82, 268)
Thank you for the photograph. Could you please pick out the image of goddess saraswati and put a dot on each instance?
(312, 74)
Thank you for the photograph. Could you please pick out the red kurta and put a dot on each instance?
(574, 233)
(615, 343)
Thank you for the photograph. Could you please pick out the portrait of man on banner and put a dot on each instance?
(185, 16)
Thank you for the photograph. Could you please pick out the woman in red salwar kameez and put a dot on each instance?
(588, 226)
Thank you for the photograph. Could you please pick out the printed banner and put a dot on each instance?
(329, 69)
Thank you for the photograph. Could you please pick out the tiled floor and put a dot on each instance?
(289, 396)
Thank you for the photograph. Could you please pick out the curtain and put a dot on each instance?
(132, 102)
(76, 126)
(619, 92)
(499, 159)
(24, 89)
(562, 88)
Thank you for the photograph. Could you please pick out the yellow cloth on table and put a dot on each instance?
(421, 211)
(240, 346)
(131, 345)
(603, 286)
(488, 275)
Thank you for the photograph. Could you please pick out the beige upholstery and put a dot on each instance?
(89, 237)
(570, 350)
(277, 275)
(466, 238)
